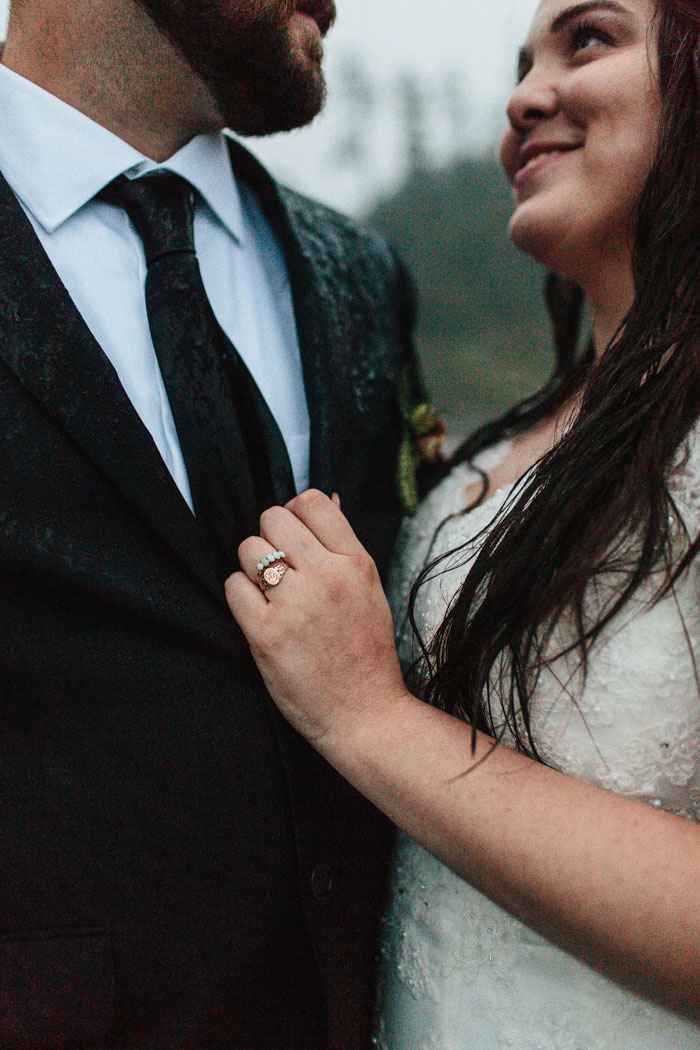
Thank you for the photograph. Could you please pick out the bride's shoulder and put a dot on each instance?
(449, 494)
(442, 510)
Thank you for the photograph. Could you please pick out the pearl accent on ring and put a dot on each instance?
(269, 559)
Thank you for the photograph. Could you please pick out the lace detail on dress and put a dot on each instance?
(458, 972)
(470, 975)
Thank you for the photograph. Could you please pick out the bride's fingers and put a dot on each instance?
(246, 602)
(322, 516)
(305, 530)
(284, 531)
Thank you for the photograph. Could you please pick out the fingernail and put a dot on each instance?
(336, 499)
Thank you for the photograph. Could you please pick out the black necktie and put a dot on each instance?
(236, 458)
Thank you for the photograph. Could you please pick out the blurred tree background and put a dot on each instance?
(483, 338)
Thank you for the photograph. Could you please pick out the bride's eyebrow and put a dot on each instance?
(571, 13)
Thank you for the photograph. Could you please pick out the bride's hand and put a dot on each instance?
(322, 637)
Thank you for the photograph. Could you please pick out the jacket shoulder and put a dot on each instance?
(353, 249)
(340, 233)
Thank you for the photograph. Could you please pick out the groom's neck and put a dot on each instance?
(107, 59)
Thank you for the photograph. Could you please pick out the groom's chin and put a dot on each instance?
(276, 106)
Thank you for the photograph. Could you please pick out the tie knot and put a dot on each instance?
(161, 209)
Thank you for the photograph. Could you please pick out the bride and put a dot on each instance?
(545, 770)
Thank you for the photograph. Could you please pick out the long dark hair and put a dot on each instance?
(605, 483)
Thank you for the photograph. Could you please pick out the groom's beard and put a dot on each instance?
(262, 77)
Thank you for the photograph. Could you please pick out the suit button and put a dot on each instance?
(321, 881)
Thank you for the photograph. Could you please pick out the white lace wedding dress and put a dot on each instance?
(459, 973)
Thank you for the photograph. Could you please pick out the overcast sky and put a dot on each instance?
(473, 41)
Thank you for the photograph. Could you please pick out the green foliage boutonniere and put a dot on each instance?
(423, 438)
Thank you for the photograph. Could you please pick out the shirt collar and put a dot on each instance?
(56, 159)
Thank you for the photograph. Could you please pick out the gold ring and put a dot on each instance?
(271, 569)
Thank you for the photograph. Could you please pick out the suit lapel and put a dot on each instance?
(46, 343)
(316, 304)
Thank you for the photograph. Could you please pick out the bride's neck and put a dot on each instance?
(610, 296)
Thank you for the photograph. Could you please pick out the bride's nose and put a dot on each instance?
(535, 98)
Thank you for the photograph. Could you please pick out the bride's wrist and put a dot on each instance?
(366, 727)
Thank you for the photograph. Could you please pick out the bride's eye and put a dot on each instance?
(585, 36)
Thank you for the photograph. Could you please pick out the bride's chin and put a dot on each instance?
(541, 238)
(531, 238)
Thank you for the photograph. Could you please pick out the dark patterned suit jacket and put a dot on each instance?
(177, 868)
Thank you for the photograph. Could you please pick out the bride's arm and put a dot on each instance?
(613, 881)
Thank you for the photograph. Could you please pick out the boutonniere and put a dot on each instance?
(421, 444)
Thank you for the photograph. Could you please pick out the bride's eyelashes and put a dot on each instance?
(587, 36)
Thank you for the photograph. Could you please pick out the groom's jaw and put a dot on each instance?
(261, 60)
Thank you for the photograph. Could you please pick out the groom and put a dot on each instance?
(181, 342)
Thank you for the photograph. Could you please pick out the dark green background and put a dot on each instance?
(484, 338)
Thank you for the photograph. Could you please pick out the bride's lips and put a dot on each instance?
(535, 155)
(319, 11)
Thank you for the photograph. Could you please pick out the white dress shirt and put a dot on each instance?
(56, 160)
